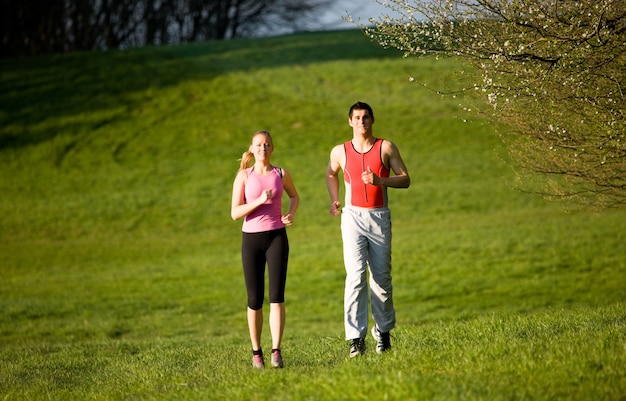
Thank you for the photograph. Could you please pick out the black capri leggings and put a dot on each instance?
(257, 249)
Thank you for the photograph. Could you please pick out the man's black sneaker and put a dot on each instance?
(357, 347)
(383, 342)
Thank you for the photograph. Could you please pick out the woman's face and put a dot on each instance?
(261, 147)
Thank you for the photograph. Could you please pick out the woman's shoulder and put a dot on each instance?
(279, 170)
(242, 175)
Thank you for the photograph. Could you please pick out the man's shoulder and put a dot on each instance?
(337, 154)
(386, 143)
(338, 147)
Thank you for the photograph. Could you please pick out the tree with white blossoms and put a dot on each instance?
(552, 70)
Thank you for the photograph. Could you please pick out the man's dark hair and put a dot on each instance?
(361, 106)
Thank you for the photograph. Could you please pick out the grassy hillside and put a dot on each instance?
(120, 263)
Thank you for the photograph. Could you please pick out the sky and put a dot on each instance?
(331, 17)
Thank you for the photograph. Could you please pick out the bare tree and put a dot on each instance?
(34, 27)
(552, 70)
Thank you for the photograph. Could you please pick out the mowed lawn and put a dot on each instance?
(121, 275)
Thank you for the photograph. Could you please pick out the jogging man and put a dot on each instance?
(366, 163)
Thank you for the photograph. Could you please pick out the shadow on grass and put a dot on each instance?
(62, 87)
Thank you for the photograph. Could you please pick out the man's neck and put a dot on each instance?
(363, 143)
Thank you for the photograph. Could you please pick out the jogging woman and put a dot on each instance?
(257, 197)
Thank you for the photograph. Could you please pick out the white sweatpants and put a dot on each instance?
(366, 237)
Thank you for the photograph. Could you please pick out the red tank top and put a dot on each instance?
(361, 195)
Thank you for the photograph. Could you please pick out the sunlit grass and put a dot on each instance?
(120, 264)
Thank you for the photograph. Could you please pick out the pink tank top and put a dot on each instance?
(266, 217)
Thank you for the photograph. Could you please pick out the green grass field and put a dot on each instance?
(121, 276)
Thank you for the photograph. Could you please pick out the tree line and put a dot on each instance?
(39, 27)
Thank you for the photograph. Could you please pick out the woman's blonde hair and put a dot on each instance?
(248, 157)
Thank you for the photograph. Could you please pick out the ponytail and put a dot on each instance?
(246, 160)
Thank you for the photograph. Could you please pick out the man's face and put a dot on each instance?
(361, 121)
